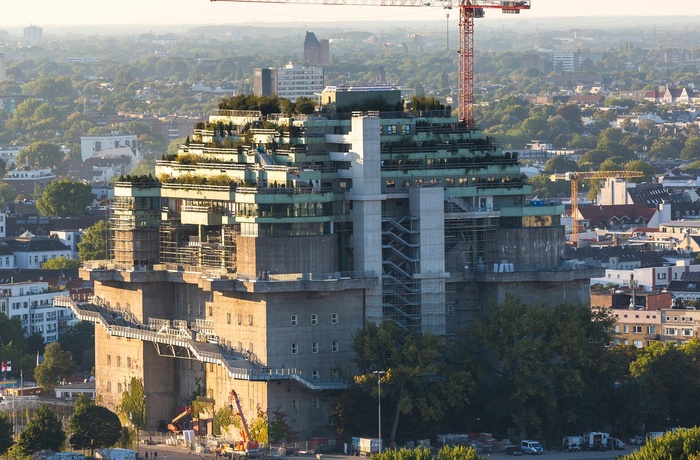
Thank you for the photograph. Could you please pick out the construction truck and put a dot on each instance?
(365, 447)
(246, 448)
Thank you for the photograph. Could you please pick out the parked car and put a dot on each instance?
(513, 450)
(531, 447)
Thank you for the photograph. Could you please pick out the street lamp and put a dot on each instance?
(379, 407)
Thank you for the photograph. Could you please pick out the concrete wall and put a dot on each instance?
(575, 291)
(531, 248)
(304, 254)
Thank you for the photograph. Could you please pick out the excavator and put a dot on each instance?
(246, 448)
(174, 425)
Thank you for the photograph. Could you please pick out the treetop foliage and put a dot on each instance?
(65, 198)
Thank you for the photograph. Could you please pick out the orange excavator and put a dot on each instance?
(174, 425)
(246, 448)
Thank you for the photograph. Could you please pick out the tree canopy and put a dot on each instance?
(6, 433)
(60, 262)
(65, 198)
(93, 245)
(682, 444)
(43, 432)
(40, 155)
(57, 365)
(94, 427)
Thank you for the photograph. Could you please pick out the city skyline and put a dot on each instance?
(48, 13)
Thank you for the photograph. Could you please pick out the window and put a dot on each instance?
(617, 329)
(661, 276)
(240, 346)
(294, 320)
(211, 311)
(109, 360)
(450, 310)
(636, 329)
(335, 374)
(315, 403)
(651, 329)
(294, 348)
(119, 361)
(336, 346)
(314, 347)
(250, 320)
(109, 386)
(295, 404)
(128, 362)
(314, 319)
(334, 318)
(687, 332)
(119, 388)
(675, 319)
(626, 329)
(670, 331)
(314, 374)
(228, 317)
(240, 319)
(637, 343)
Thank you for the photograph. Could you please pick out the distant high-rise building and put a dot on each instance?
(3, 68)
(567, 62)
(381, 75)
(325, 56)
(290, 82)
(264, 82)
(316, 52)
(539, 61)
(33, 34)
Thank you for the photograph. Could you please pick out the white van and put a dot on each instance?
(531, 447)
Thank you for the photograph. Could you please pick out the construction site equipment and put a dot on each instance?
(246, 448)
(468, 11)
(174, 424)
(574, 177)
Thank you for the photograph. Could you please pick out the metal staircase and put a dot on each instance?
(177, 342)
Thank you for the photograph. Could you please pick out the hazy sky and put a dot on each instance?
(162, 12)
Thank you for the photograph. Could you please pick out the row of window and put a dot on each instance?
(335, 347)
(119, 361)
(685, 331)
(294, 319)
(315, 404)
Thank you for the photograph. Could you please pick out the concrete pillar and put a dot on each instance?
(366, 197)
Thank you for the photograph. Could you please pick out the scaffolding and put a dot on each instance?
(469, 248)
(401, 292)
(133, 230)
(198, 246)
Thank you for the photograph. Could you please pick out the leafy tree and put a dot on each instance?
(7, 194)
(44, 432)
(691, 149)
(79, 341)
(133, 404)
(41, 155)
(65, 198)
(57, 365)
(684, 444)
(538, 366)
(94, 427)
(408, 359)
(560, 164)
(93, 245)
(60, 262)
(6, 433)
(643, 167)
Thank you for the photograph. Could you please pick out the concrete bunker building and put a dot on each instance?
(266, 242)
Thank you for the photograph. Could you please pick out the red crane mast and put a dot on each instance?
(468, 11)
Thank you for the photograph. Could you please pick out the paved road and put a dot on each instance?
(181, 453)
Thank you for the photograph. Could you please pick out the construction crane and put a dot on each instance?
(574, 178)
(246, 448)
(468, 11)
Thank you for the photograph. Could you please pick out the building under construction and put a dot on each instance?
(267, 241)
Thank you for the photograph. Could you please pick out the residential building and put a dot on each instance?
(568, 61)
(90, 145)
(27, 181)
(31, 251)
(316, 52)
(257, 264)
(33, 35)
(70, 238)
(290, 82)
(9, 152)
(32, 303)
